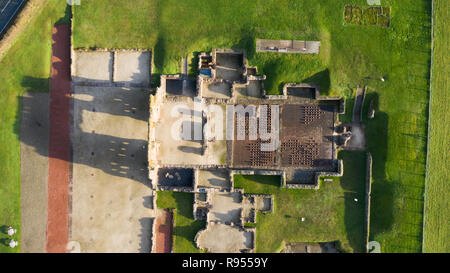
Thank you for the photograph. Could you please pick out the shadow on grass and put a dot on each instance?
(382, 188)
(67, 16)
(4, 229)
(131, 163)
(272, 70)
(258, 184)
(188, 232)
(353, 183)
(321, 78)
(193, 65)
(353, 180)
(371, 97)
(184, 207)
(33, 84)
(184, 204)
(248, 44)
(159, 54)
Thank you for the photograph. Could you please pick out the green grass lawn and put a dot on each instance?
(330, 213)
(349, 55)
(185, 227)
(437, 212)
(28, 58)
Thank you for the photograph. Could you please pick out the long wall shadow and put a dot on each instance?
(159, 60)
(353, 182)
(381, 214)
(122, 157)
(321, 78)
(247, 43)
(184, 208)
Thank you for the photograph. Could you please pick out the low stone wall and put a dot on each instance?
(302, 186)
(275, 97)
(239, 227)
(316, 185)
(176, 189)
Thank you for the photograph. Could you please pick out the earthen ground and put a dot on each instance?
(220, 238)
(132, 67)
(218, 179)
(225, 207)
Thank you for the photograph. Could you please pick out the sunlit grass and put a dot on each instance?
(349, 56)
(437, 212)
(28, 57)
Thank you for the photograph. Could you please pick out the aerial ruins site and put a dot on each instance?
(199, 161)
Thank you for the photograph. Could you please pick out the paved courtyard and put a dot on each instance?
(225, 207)
(111, 195)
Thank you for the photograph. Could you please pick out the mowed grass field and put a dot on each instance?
(437, 207)
(331, 208)
(349, 55)
(28, 58)
(185, 227)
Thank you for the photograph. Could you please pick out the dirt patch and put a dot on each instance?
(307, 136)
(214, 178)
(92, 67)
(132, 68)
(375, 16)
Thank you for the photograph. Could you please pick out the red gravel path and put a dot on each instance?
(163, 229)
(59, 142)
